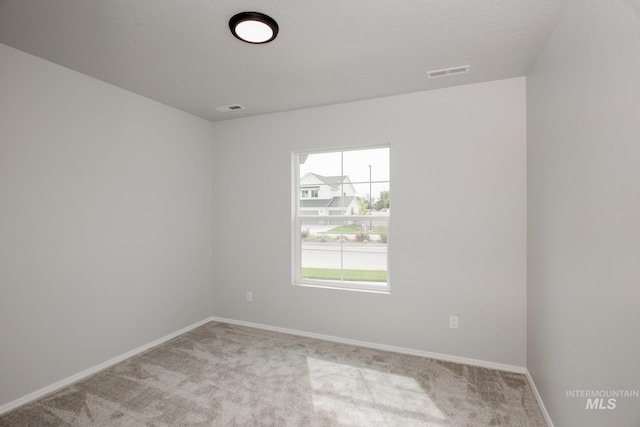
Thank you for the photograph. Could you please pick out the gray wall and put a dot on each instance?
(457, 240)
(105, 222)
(583, 118)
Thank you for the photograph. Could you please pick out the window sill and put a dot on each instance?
(374, 289)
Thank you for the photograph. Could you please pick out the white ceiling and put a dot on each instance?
(181, 53)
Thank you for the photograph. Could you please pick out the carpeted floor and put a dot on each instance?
(224, 375)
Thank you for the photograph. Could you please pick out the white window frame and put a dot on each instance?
(297, 219)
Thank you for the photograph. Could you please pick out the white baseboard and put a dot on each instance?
(402, 350)
(438, 356)
(547, 418)
(74, 378)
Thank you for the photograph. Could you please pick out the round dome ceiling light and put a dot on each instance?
(253, 27)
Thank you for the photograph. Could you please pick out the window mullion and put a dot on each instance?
(342, 212)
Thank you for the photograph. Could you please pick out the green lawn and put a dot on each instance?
(349, 275)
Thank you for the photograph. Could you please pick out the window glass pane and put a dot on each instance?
(323, 164)
(361, 165)
(366, 263)
(322, 185)
(364, 257)
(352, 251)
(380, 197)
(321, 254)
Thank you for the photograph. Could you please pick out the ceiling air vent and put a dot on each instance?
(227, 108)
(446, 72)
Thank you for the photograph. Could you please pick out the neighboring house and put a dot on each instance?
(327, 195)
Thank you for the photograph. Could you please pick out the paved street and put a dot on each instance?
(355, 256)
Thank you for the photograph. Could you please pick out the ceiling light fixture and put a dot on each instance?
(253, 27)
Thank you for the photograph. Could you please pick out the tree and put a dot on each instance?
(383, 201)
(362, 206)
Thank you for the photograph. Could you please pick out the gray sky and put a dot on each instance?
(356, 164)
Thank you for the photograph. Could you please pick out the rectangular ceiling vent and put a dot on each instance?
(446, 72)
(227, 108)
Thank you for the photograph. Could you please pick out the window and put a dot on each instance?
(341, 227)
(305, 194)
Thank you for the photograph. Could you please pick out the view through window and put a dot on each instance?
(341, 221)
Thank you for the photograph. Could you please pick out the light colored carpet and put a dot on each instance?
(225, 375)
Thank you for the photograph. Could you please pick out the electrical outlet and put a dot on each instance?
(453, 322)
(249, 296)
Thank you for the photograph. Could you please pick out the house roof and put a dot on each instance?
(338, 202)
(314, 203)
(331, 181)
